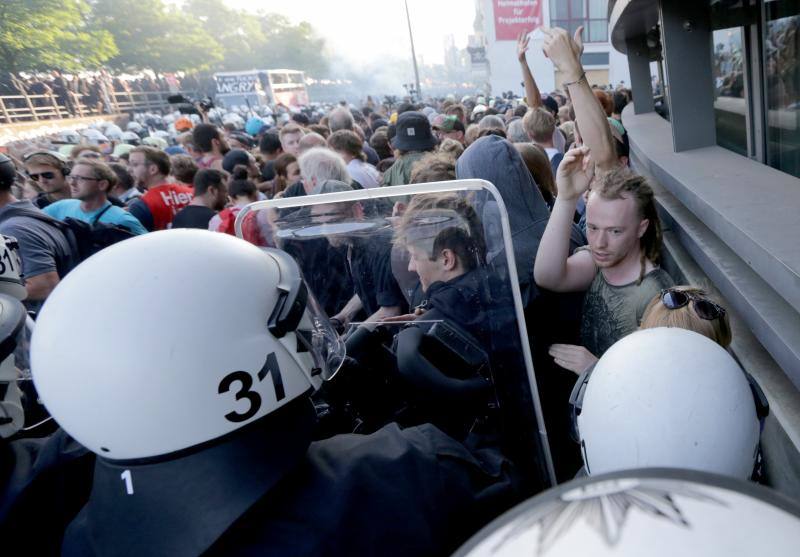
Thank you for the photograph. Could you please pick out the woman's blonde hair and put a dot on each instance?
(658, 315)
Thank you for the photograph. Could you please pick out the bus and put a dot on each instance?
(261, 87)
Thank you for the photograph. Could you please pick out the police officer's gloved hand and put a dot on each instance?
(337, 324)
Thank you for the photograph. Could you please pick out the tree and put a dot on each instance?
(238, 33)
(50, 34)
(132, 35)
(264, 40)
(293, 46)
(149, 35)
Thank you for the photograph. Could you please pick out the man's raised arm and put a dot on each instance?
(532, 94)
(565, 53)
(554, 268)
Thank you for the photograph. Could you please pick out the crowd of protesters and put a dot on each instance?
(167, 166)
(92, 90)
(585, 231)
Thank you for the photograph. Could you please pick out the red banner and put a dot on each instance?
(512, 17)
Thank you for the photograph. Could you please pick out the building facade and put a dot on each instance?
(502, 20)
(722, 149)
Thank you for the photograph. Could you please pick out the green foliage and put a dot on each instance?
(148, 35)
(292, 46)
(129, 35)
(262, 40)
(238, 33)
(50, 34)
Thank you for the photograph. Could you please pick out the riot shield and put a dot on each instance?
(422, 283)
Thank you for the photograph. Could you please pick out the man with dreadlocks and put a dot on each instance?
(618, 269)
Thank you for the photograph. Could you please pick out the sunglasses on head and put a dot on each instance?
(704, 308)
(46, 175)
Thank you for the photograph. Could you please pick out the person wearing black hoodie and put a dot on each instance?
(550, 318)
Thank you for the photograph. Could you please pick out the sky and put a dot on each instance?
(364, 31)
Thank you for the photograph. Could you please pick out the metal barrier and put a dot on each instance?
(35, 108)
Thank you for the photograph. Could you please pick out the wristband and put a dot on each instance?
(568, 83)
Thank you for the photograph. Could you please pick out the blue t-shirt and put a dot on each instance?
(114, 215)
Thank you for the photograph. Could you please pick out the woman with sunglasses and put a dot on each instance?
(689, 307)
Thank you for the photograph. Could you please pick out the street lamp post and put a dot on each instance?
(413, 53)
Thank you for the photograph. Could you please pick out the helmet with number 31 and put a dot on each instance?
(177, 338)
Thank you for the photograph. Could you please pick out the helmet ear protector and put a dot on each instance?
(292, 295)
(60, 162)
(12, 415)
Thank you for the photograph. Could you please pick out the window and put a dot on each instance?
(756, 76)
(278, 78)
(782, 84)
(592, 14)
(730, 104)
(594, 59)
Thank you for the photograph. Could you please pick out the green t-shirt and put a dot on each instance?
(399, 173)
(612, 312)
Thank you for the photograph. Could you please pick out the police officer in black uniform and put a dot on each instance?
(203, 441)
(368, 252)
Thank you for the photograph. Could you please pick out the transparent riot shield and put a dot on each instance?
(421, 282)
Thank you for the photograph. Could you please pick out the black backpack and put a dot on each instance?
(85, 238)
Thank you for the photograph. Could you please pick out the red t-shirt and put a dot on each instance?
(250, 229)
(165, 201)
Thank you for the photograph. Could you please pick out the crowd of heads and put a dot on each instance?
(231, 158)
(93, 91)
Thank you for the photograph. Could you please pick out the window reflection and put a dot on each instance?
(782, 85)
(730, 106)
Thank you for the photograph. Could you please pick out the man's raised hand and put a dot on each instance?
(575, 173)
(564, 51)
(522, 45)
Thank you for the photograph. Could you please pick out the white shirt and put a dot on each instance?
(363, 173)
(559, 141)
(551, 152)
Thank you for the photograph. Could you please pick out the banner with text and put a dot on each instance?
(512, 17)
(241, 83)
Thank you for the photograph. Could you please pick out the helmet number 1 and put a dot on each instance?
(126, 476)
(245, 381)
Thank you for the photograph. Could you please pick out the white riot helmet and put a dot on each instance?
(656, 512)
(131, 138)
(134, 127)
(233, 119)
(669, 398)
(113, 132)
(237, 336)
(93, 136)
(155, 141)
(12, 333)
(11, 282)
(69, 136)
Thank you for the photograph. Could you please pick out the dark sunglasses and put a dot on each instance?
(705, 309)
(45, 175)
